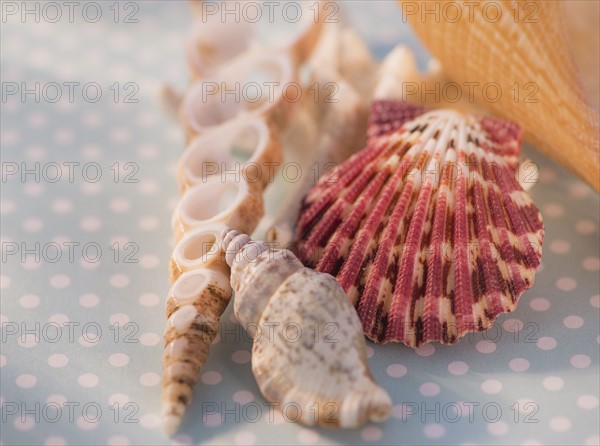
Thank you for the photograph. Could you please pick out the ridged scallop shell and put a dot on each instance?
(427, 228)
(523, 49)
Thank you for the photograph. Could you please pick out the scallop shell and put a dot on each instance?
(528, 58)
(309, 353)
(427, 228)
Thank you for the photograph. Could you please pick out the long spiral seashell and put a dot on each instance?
(195, 304)
(319, 367)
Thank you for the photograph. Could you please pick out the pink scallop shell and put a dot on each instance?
(427, 228)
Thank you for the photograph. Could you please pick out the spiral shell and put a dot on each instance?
(309, 352)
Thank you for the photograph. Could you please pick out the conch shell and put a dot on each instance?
(309, 353)
(427, 229)
(522, 51)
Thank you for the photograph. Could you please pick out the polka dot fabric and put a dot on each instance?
(81, 348)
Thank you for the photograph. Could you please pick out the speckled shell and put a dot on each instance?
(526, 55)
(194, 307)
(427, 228)
(309, 353)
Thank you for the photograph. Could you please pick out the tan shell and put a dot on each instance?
(531, 53)
(309, 353)
(194, 307)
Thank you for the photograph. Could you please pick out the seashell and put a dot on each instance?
(250, 145)
(195, 304)
(528, 52)
(255, 84)
(427, 229)
(216, 40)
(226, 201)
(582, 17)
(325, 379)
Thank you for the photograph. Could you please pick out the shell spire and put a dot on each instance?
(427, 229)
(303, 326)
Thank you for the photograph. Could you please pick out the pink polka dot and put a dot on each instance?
(585, 227)
(119, 205)
(587, 402)
(60, 281)
(118, 318)
(513, 325)
(211, 378)
(498, 428)
(29, 301)
(149, 261)
(308, 436)
(149, 379)
(553, 383)
(7, 206)
(485, 347)
(33, 189)
(58, 360)
(150, 421)
(560, 424)
(434, 431)
(33, 224)
(370, 351)
(118, 440)
(591, 263)
(148, 223)
(26, 381)
(88, 380)
(518, 364)
(539, 304)
(425, 350)
(573, 322)
(566, 284)
(458, 368)
(213, 419)
(560, 246)
(580, 361)
(553, 210)
(243, 397)
(429, 389)
(118, 359)
(491, 386)
(4, 281)
(149, 300)
(241, 357)
(546, 343)
(149, 339)
(90, 224)
(55, 441)
(89, 300)
(119, 280)
(595, 301)
(62, 206)
(371, 434)
(148, 187)
(91, 189)
(579, 190)
(396, 370)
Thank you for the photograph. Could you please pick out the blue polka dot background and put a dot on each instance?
(88, 186)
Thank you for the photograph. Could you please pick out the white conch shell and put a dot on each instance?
(309, 353)
(234, 92)
(217, 151)
(201, 204)
(194, 307)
